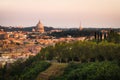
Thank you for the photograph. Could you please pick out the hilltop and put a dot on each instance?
(29, 29)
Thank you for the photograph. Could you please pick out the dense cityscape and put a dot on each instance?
(22, 44)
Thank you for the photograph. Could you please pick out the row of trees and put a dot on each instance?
(110, 36)
(81, 51)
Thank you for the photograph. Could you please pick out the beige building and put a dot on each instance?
(39, 27)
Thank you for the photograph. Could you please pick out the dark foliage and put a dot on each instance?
(91, 71)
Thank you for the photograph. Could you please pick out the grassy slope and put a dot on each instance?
(56, 69)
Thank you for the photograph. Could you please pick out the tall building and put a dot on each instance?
(80, 28)
(39, 27)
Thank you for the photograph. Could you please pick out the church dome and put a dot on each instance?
(40, 27)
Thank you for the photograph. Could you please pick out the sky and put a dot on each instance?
(61, 13)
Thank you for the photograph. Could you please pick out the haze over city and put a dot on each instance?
(60, 13)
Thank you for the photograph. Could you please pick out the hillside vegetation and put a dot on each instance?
(81, 52)
(27, 70)
(91, 71)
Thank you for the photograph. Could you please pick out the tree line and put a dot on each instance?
(81, 51)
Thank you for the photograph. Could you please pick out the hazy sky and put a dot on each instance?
(60, 13)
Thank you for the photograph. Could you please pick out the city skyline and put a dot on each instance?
(60, 14)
